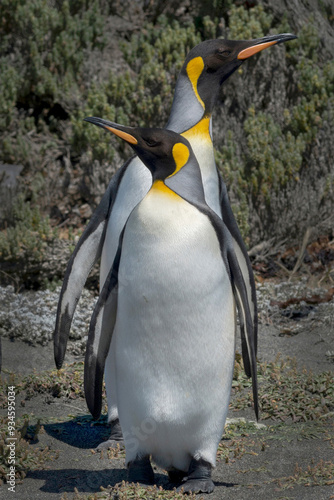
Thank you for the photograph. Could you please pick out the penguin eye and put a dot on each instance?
(224, 53)
(151, 142)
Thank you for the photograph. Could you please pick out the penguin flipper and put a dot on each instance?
(246, 323)
(245, 267)
(99, 338)
(248, 332)
(87, 251)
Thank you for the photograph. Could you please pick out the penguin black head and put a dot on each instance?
(211, 62)
(163, 152)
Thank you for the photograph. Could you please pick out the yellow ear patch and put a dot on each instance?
(181, 155)
(194, 70)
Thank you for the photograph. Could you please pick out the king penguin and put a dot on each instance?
(172, 320)
(206, 68)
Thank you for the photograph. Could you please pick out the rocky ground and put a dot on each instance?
(288, 455)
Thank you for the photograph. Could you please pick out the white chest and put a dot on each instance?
(171, 241)
(174, 333)
(171, 276)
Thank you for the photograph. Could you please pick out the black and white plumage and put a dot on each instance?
(206, 67)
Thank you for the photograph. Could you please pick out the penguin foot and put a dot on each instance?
(198, 479)
(176, 475)
(196, 486)
(140, 471)
(115, 439)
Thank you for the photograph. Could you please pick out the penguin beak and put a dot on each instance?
(255, 46)
(125, 133)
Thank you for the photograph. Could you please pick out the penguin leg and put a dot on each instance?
(198, 479)
(140, 471)
(176, 475)
(115, 438)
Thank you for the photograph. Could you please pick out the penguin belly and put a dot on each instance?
(134, 185)
(174, 336)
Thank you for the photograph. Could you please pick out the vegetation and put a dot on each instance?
(66, 383)
(276, 151)
(43, 51)
(29, 234)
(57, 66)
(26, 457)
(320, 474)
(245, 24)
(286, 392)
(125, 491)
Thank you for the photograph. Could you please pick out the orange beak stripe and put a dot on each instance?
(250, 51)
(123, 135)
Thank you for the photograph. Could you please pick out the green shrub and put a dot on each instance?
(46, 44)
(45, 94)
(274, 157)
(245, 24)
(26, 457)
(43, 48)
(232, 170)
(29, 234)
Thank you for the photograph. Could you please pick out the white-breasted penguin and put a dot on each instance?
(206, 67)
(172, 321)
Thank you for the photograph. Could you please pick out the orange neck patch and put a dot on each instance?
(160, 186)
(202, 129)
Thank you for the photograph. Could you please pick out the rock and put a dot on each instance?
(85, 211)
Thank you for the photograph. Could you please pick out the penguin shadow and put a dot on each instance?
(83, 433)
(88, 481)
(80, 432)
(83, 480)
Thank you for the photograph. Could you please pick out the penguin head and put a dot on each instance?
(162, 151)
(211, 62)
